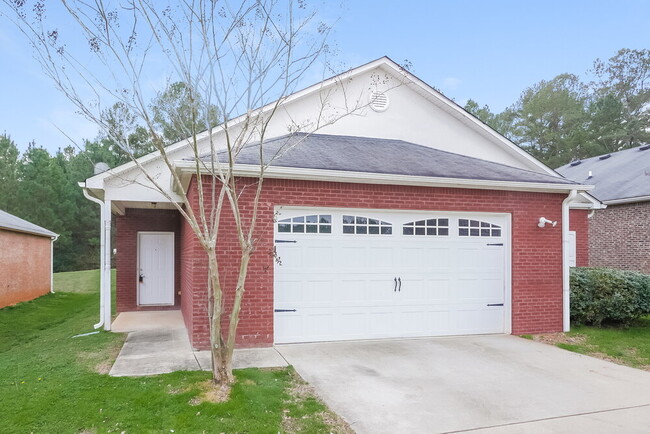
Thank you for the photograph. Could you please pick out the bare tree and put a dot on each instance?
(245, 59)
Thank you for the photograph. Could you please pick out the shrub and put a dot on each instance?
(604, 294)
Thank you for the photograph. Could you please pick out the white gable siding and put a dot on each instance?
(412, 116)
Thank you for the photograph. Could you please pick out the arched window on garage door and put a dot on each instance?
(430, 227)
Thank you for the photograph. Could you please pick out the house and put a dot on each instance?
(409, 218)
(618, 234)
(25, 260)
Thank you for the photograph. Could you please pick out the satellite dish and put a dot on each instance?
(101, 168)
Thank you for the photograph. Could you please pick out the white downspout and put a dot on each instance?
(107, 265)
(102, 276)
(52, 240)
(566, 291)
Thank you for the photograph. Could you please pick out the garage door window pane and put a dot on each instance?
(315, 224)
(363, 225)
(428, 227)
(470, 228)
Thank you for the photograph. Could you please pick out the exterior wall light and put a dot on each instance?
(543, 221)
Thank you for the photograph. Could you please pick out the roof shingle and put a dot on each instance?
(623, 175)
(381, 156)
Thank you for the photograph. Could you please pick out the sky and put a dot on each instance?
(489, 51)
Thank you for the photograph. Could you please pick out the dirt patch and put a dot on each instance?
(211, 393)
(102, 361)
(560, 338)
(300, 391)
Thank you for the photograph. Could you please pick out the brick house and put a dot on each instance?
(618, 235)
(411, 218)
(25, 260)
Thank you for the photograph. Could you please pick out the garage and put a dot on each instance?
(344, 274)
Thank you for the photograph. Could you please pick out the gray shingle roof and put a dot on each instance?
(13, 223)
(382, 156)
(623, 175)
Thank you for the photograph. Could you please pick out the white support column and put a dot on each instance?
(106, 272)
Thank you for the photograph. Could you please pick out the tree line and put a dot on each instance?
(557, 120)
(43, 188)
(567, 118)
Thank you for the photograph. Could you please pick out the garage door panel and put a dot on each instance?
(318, 257)
(343, 286)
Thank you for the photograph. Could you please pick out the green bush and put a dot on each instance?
(608, 295)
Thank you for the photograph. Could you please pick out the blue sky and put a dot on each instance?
(489, 51)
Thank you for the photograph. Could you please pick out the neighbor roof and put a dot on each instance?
(380, 156)
(621, 176)
(12, 223)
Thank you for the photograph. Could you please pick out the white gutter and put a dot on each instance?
(102, 243)
(52, 240)
(566, 290)
(627, 200)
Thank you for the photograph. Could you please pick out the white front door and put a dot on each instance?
(366, 274)
(155, 268)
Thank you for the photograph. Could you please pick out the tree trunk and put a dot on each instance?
(221, 362)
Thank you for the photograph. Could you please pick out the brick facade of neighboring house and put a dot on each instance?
(25, 266)
(536, 264)
(619, 237)
(126, 261)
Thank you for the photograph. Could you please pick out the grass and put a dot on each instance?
(81, 282)
(627, 346)
(50, 382)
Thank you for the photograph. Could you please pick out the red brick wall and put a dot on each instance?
(619, 237)
(25, 267)
(579, 222)
(126, 261)
(536, 253)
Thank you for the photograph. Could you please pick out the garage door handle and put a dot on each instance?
(284, 310)
(496, 304)
(495, 244)
(286, 241)
(395, 289)
(399, 279)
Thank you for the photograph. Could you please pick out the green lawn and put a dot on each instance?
(50, 382)
(83, 282)
(628, 346)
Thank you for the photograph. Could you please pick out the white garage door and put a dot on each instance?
(365, 274)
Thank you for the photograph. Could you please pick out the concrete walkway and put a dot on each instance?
(492, 384)
(158, 343)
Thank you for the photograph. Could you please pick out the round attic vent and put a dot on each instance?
(378, 101)
(101, 167)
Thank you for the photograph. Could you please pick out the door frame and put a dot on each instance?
(507, 237)
(173, 270)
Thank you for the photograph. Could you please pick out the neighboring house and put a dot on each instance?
(619, 235)
(25, 260)
(410, 218)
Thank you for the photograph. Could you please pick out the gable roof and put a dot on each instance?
(16, 224)
(380, 156)
(96, 182)
(619, 177)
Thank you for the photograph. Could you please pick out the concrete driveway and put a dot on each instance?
(485, 383)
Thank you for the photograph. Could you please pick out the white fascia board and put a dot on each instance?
(408, 78)
(627, 200)
(253, 171)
